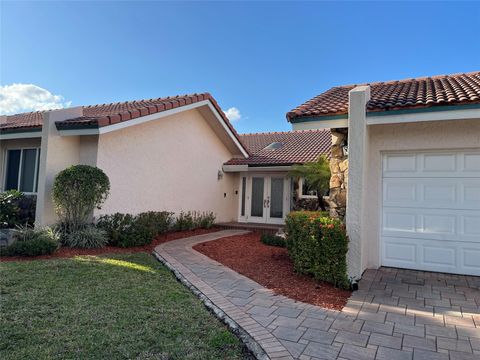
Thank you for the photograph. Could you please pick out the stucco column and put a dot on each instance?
(357, 151)
(56, 153)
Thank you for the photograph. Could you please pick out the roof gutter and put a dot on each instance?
(20, 133)
(255, 168)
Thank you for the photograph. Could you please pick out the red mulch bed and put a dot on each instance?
(271, 267)
(66, 252)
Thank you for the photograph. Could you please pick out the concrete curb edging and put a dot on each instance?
(244, 336)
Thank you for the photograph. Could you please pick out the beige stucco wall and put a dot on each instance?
(432, 135)
(13, 144)
(168, 164)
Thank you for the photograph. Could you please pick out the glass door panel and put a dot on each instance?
(258, 186)
(276, 197)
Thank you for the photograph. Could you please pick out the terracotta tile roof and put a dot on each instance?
(394, 95)
(296, 147)
(108, 114)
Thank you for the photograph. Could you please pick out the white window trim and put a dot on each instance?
(19, 181)
(300, 188)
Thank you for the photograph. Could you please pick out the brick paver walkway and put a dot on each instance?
(395, 314)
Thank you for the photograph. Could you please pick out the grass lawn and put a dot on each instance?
(113, 306)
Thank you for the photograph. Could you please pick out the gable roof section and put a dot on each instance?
(456, 89)
(97, 116)
(297, 147)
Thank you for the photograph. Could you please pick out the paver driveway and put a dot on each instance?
(395, 314)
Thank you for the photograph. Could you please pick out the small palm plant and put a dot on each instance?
(317, 176)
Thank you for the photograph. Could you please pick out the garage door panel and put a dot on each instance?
(412, 253)
(451, 193)
(471, 162)
(431, 211)
(436, 224)
(432, 164)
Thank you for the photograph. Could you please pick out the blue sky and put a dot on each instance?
(261, 58)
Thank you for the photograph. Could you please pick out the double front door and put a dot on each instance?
(264, 198)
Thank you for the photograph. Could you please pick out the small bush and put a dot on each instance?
(159, 222)
(184, 221)
(206, 220)
(33, 242)
(9, 209)
(318, 246)
(273, 240)
(126, 230)
(191, 220)
(77, 191)
(115, 225)
(88, 237)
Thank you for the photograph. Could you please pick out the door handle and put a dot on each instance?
(268, 202)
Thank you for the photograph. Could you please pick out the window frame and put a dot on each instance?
(20, 165)
(301, 194)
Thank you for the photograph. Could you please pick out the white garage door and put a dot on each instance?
(431, 211)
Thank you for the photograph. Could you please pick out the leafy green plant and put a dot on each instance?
(185, 221)
(33, 242)
(206, 220)
(273, 240)
(115, 225)
(77, 191)
(88, 237)
(9, 209)
(318, 246)
(159, 222)
(317, 175)
(126, 230)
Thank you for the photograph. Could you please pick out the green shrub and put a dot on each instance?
(191, 220)
(115, 225)
(159, 222)
(273, 240)
(206, 220)
(126, 230)
(9, 209)
(185, 221)
(88, 237)
(33, 242)
(77, 191)
(318, 246)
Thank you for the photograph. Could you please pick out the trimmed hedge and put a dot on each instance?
(273, 240)
(318, 246)
(126, 230)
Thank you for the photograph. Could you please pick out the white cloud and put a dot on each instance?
(233, 114)
(17, 98)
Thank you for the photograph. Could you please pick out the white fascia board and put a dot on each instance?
(424, 116)
(246, 168)
(234, 168)
(21, 135)
(156, 116)
(320, 124)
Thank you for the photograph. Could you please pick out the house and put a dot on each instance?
(176, 153)
(408, 152)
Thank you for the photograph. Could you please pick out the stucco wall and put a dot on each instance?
(168, 164)
(444, 135)
(13, 144)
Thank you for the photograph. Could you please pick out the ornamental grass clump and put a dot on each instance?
(88, 237)
(318, 246)
(77, 191)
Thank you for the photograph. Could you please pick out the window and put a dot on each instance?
(22, 170)
(273, 146)
(307, 190)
